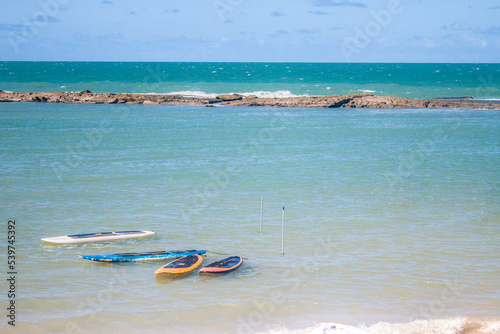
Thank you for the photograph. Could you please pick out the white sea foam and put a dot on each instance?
(490, 327)
(268, 94)
(366, 90)
(324, 328)
(438, 326)
(195, 93)
(259, 94)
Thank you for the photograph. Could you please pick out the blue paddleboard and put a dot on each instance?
(145, 256)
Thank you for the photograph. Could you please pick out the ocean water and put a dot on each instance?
(392, 217)
(481, 81)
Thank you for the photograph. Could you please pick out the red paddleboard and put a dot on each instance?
(223, 266)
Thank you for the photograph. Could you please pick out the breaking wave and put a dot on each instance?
(460, 325)
(259, 94)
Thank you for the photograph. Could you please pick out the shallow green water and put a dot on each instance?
(391, 215)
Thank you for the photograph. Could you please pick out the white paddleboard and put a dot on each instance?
(94, 237)
(333, 328)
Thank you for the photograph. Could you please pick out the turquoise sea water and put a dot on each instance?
(391, 217)
(481, 81)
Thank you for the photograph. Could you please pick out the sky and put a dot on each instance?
(251, 30)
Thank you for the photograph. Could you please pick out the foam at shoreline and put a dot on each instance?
(458, 325)
(260, 94)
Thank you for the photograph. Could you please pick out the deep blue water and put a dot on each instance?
(481, 81)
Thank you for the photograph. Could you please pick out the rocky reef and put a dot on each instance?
(333, 101)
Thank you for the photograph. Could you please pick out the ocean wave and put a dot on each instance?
(460, 325)
(194, 93)
(267, 94)
(260, 94)
(492, 100)
(366, 90)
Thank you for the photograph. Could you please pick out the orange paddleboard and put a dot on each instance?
(181, 266)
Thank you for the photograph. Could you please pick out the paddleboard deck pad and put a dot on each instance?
(181, 266)
(94, 237)
(145, 256)
(223, 266)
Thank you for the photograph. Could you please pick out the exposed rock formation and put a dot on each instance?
(229, 97)
(333, 101)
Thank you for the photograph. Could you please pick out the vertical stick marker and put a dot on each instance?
(261, 208)
(283, 232)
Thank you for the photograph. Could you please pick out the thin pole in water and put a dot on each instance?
(283, 232)
(261, 207)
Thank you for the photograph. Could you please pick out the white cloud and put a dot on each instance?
(457, 26)
(278, 13)
(308, 31)
(12, 27)
(461, 26)
(493, 30)
(424, 41)
(475, 42)
(318, 12)
(331, 3)
(386, 43)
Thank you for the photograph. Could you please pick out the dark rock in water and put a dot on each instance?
(86, 91)
(209, 106)
(39, 99)
(229, 97)
(341, 103)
